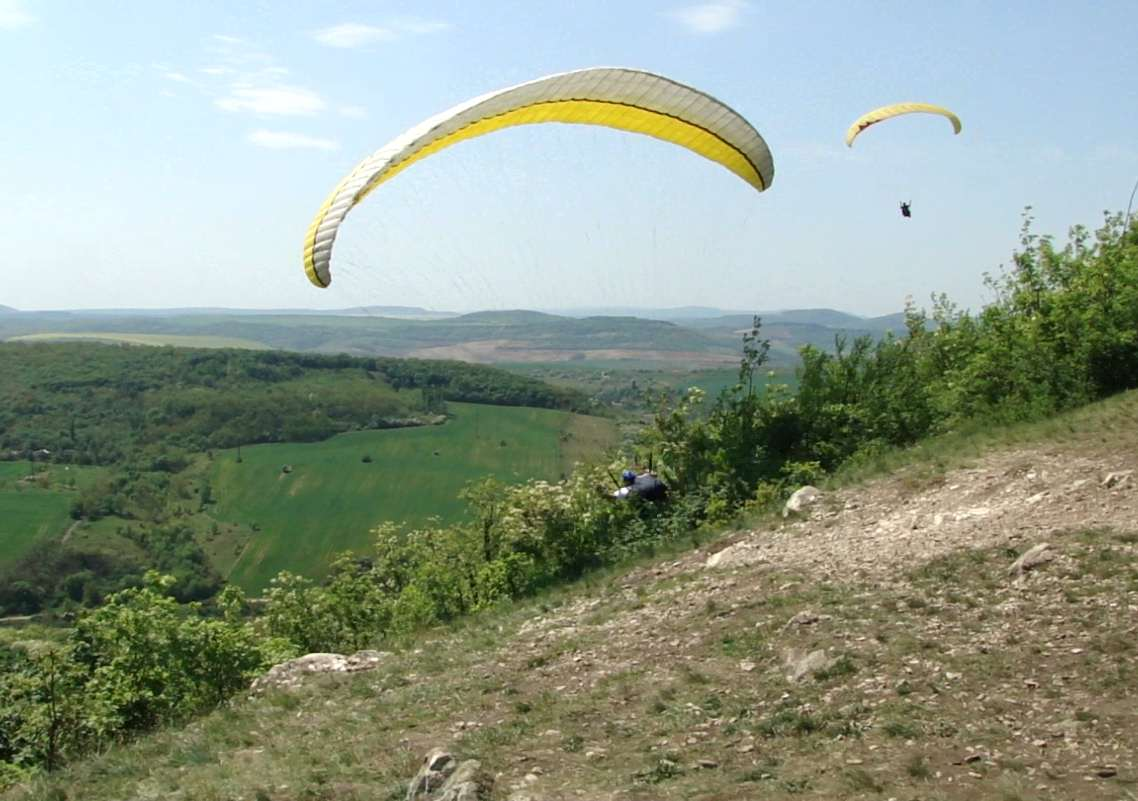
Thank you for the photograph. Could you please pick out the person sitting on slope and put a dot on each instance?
(646, 486)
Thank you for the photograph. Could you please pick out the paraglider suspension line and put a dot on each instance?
(1126, 227)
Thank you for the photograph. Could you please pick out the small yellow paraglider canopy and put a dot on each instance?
(896, 110)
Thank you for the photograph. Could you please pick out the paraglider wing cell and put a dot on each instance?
(625, 99)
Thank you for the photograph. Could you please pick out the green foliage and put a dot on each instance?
(64, 575)
(520, 538)
(147, 659)
(346, 614)
(174, 551)
(40, 719)
(55, 575)
(1062, 330)
(139, 661)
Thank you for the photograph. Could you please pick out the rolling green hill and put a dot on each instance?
(262, 520)
(151, 416)
(332, 498)
(100, 404)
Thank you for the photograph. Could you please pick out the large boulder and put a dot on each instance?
(443, 778)
(1118, 479)
(1032, 558)
(438, 765)
(737, 555)
(800, 500)
(798, 665)
(468, 783)
(291, 674)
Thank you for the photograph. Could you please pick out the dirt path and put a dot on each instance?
(70, 530)
(1015, 498)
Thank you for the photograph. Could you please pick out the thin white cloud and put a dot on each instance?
(276, 100)
(356, 34)
(711, 18)
(14, 15)
(353, 112)
(287, 140)
(241, 77)
(168, 73)
(352, 34)
(419, 26)
(233, 52)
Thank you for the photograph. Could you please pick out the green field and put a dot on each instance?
(332, 498)
(176, 340)
(35, 502)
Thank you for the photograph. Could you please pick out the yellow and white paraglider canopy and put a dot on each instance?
(897, 110)
(626, 99)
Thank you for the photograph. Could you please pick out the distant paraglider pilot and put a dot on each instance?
(906, 211)
(646, 486)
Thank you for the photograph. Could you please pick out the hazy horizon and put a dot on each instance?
(711, 311)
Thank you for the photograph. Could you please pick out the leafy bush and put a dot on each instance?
(139, 661)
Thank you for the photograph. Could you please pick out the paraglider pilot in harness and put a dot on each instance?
(905, 209)
(646, 486)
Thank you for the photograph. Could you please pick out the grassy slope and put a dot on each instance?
(664, 681)
(31, 509)
(331, 499)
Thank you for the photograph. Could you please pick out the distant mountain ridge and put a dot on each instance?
(699, 337)
(694, 314)
(819, 316)
(394, 312)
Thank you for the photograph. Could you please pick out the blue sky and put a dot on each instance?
(159, 154)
